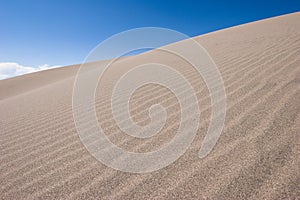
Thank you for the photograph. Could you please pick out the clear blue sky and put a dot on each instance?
(61, 32)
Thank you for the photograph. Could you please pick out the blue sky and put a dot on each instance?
(60, 32)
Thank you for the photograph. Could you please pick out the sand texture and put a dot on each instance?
(256, 157)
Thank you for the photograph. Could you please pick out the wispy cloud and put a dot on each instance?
(11, 69)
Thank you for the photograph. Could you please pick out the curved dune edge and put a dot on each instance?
(257, 156)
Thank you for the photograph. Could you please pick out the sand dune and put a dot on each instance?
(256, 157)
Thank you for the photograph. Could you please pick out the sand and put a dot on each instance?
(256, 157)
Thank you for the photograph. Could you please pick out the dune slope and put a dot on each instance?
(256, 157)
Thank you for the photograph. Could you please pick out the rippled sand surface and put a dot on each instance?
(256, 157)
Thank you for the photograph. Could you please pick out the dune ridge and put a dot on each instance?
(256, 157)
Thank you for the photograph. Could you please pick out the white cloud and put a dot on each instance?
(10, 69)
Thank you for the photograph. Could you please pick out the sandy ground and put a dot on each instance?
(256, 157)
